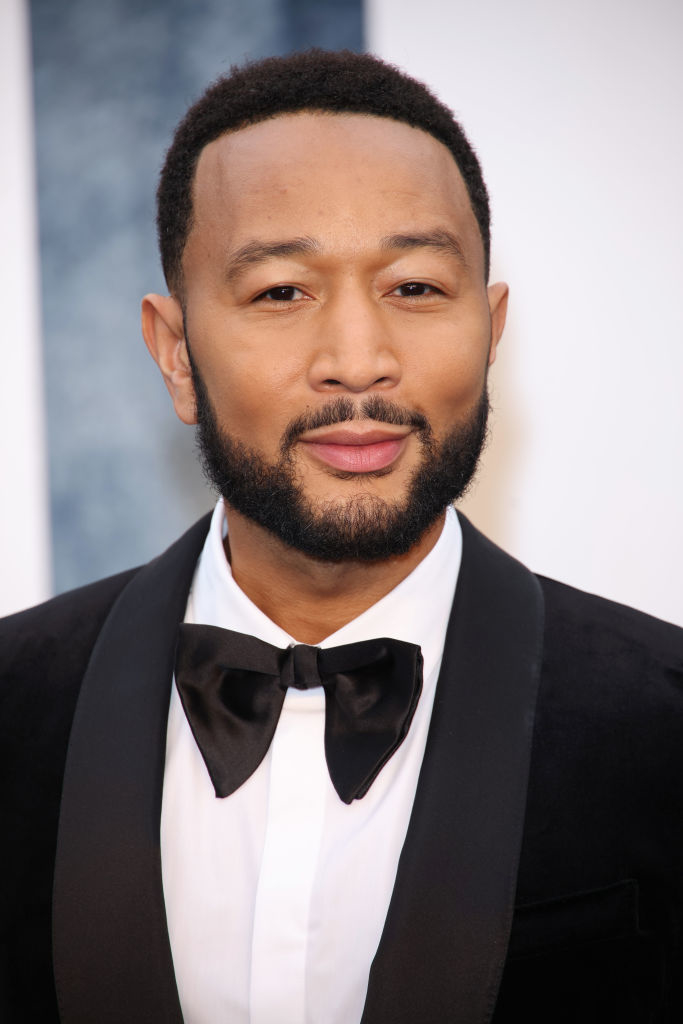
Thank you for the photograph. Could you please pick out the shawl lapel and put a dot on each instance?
(112, 954)
(444, 943)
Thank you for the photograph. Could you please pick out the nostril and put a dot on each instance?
(330, 382)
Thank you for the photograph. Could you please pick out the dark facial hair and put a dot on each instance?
(364, 527)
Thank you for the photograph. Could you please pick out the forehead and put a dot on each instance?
(340, 178)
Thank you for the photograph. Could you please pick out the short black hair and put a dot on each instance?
(335, 81)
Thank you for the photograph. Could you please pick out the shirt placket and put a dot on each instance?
(298, 789)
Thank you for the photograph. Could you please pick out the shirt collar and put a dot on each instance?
(417, 610)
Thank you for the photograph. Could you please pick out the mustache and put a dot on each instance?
(343, 409)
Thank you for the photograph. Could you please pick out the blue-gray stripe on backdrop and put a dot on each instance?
(111, 79)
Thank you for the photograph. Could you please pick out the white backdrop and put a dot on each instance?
(24, 537)
(575, 111)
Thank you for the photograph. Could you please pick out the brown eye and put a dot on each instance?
(283, 293)
(415, 289)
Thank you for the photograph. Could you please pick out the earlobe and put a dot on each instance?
(498, 304)
(164, 334)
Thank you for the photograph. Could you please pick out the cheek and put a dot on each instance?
(452, 381)
(454, 354)
(247, 366)
(252, 406)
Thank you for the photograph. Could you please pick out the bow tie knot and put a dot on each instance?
(299, 668)
(233, 687)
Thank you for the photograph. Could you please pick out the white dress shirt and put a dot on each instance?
(276, 896)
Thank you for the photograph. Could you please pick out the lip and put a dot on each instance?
(361, 434)
(356, 451)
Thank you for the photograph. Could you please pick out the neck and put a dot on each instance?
(311, 599)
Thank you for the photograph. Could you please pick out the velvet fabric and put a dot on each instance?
(40, 672)
(233, 686)
(598, 925)
(596, 934)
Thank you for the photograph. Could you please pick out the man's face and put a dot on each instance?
(336, 309)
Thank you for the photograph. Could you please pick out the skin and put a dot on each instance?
(387, 297)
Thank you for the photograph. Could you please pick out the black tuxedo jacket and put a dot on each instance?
(542, 875)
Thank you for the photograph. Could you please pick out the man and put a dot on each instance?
(399, 778)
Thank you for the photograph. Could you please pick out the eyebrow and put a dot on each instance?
(442, 241)
(259, 252)
(255, 252)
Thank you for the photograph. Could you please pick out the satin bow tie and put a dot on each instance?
(233, 687)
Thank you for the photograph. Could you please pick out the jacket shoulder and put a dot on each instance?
(58, 632)
(44, 652)
(610, 668)
(593, 626)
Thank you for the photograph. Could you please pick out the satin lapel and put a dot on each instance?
(111, 949)
(445, 938)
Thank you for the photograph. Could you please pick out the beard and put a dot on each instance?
(362, 527)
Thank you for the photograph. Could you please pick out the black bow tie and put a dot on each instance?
(233, 687)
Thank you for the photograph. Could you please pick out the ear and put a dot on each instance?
(164, 334)
(498, 307)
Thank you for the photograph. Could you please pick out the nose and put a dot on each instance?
(355, 349)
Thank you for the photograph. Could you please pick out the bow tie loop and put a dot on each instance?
(233, 687)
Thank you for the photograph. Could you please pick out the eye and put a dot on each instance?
(281, 293)
(416, 290)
